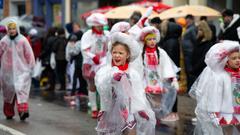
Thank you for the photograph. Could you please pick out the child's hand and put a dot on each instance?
(117, 76)
(100, 114)
(124, 113)
(214, 119)
(148, 12)
(96, 59)
(143, 114)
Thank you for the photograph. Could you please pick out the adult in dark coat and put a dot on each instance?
(48, 75)
(188, 42)
(170, 41)
(170, 35)
(78, 59)
(204, 43)
(231, 23)
(59, 48)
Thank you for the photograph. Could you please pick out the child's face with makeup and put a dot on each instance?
(234, 60)
(151, 41)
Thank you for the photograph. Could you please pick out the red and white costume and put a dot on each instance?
(17, 62)
(217, 91)
(94, 45)
(123, 101)
(159, 75)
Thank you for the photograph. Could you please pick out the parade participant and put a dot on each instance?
(94, 48)
(159, 75)
(17, 62)
(217, 91)
(124, 107)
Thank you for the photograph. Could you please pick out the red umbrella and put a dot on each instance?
(157, 6)
(99, 10)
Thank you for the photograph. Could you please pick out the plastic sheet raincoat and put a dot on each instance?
(159, 76)
(122, 100)
(17, 62)
(213, 90)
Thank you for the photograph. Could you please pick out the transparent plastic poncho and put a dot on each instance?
(121, 101)
(160, 93)
(17, 62)
(212, 89)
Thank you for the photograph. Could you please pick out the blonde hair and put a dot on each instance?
(207, 33)
(150, 35)
(164, 28)
(12, 25)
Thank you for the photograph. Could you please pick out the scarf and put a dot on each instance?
(235, 73)
(151, 56)
(97, 32)
(121, 67)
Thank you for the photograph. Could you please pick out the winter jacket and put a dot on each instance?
(230, 33)
(170, 43)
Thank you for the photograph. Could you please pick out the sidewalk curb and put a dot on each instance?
(4, 130)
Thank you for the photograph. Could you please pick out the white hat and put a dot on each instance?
(96, 19)
(217, 56)
(133, 45)
(120, 27)
(6, 21)
(148, 30)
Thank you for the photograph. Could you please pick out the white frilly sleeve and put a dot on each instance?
(103, 82)
(168, 69)
(86, 43)
(139, 101)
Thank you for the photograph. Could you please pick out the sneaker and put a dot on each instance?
(94, 114)
(172, 117)
(23, 115)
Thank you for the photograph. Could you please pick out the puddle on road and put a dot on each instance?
(181, 127)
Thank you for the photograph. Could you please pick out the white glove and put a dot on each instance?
(175, 84)
(144, 18)
(52, 61)
(148, 12)
(214, 119)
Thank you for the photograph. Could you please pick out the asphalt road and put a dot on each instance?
(55, 118)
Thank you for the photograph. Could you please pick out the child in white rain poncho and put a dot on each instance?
(217, 91)
(17, 62)
(124, 107)
(94, 44)
(159, 73)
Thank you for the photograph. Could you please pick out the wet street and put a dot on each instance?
(56, 118)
